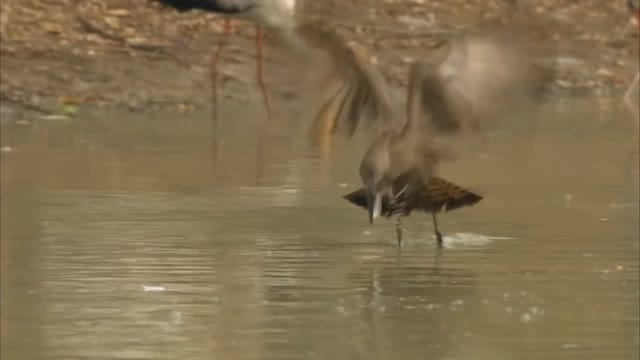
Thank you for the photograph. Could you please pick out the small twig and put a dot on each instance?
(12, 84)
(4, 96)
(123, 41)
(90, 27)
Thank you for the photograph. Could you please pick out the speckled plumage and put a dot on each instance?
(439, 195)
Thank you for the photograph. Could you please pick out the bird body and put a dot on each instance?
(268, 13)
(410, 193)
(215, 6)
(391, 156)
(274, 14)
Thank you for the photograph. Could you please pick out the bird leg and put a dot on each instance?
(438, 234)
(215, 58)
(260, 69)
(399, 231)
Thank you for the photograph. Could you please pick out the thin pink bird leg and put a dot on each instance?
(260, 69)
(215, 58)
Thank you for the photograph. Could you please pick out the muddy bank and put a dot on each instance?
(66, 55)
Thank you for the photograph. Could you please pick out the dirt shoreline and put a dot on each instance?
(59, 56)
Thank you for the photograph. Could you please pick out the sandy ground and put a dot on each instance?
(62, 55)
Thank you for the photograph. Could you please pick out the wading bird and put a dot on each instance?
(269, 14)
(469, 80)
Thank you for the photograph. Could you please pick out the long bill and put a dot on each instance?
(374, 203)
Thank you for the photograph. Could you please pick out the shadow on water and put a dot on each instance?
(133, 238)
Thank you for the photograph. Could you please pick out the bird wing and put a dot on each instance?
(434, 196)
(363, 92)
(469, 81)
(442, 195)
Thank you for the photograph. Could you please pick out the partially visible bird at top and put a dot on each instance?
(269, 14)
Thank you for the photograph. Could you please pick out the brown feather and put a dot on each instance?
(439, 195)
(368, 95)
(480, 77)
(442, 195)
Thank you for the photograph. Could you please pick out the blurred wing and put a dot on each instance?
(472, 79)
(423, 80)
(363, 93)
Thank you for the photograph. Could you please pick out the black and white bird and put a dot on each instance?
(265, 14)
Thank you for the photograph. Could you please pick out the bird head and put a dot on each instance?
(374, 170)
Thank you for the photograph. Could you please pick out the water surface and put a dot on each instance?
(139, 238)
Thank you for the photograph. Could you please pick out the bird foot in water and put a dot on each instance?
(399, 234)
(439, 239)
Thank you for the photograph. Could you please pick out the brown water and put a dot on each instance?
(131, 238)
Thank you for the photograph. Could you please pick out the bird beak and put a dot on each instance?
(374, 204)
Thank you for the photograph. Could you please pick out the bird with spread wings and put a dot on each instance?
(464, 83)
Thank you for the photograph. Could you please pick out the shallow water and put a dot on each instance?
(138, 238)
